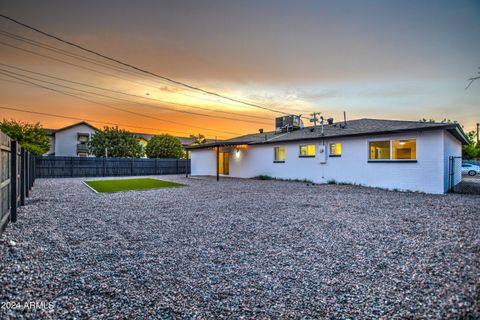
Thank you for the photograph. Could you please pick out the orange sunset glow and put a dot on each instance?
(370, 60)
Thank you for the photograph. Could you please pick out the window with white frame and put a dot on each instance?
(405, 149)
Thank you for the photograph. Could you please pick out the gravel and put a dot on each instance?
(243, 249)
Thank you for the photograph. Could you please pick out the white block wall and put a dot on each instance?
(203, 162)
(425, 175)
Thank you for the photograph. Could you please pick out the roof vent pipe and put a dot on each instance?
(260, 130)
(321, 123)
(344, 119)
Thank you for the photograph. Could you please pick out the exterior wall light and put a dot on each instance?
(237, 153)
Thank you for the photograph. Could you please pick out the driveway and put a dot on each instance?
(469, 185)
(241, 248)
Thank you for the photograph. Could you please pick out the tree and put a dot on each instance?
(31, 136)
(164, 146)
(199, 138)
(115, 142)
(471, 150)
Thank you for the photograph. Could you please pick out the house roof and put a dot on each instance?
(51, 131)
(359, 127)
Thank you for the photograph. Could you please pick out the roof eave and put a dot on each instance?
(458, 133)
(216, 144)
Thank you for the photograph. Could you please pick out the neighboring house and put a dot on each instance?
(73, 139)
(404, 155)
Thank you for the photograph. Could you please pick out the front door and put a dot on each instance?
(224, 163)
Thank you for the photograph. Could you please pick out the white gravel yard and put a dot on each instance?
(257, 249)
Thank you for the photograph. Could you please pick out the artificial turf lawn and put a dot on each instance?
(130, 184)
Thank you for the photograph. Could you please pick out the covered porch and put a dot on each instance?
(224, 153)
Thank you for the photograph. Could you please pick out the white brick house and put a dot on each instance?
(404, 155)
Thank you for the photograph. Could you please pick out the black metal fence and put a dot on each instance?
(62, 167)
(16, 178)
(461, 182)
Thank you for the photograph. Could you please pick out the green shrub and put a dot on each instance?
(332, 181)
(116, 143)
(263, 177)
(31, 136)
(164, 146)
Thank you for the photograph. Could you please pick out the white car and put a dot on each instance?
(470, 169)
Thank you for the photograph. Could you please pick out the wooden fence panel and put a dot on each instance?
(61, 167)
(5, 145)
(10, 179)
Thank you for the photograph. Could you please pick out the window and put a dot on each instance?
(307, 150)
(83, 137)
(335, 149)
(279, 154)
(393, 150)
(380, 150)
(404, 149)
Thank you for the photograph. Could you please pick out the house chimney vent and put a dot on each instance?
(330, 120)
(260, 130)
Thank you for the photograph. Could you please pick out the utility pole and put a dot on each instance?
(314, 118)
(478, 126)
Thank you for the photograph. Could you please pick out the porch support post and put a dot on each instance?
(186, 165)
(218, 163)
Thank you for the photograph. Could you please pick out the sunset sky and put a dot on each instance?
(373, 59)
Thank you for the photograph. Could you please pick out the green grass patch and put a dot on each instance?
(130, 184)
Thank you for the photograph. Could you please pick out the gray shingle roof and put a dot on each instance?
(358, 127)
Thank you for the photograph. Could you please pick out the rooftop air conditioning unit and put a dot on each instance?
(288, 123)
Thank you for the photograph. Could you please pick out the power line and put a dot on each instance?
(74, 118)
(138, 96)
(137, 68)
(109, 106)
(103, 64)
(89, 120)
(64, 52)
(122, 78)
(115, 98)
